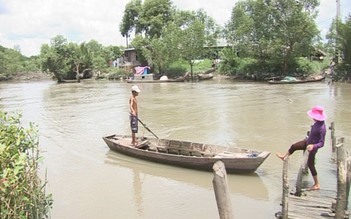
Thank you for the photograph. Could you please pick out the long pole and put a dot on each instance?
(147, 128)
(337, 19)
(337, 9)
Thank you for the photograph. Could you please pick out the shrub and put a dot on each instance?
(343, 72)
(229, 63)
(22, 194)
(177, 69)
(202, 66)
(118, 73)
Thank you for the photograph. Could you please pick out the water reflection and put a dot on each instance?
(137, 186)
(250, 185)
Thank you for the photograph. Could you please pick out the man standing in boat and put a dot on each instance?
(133, 108)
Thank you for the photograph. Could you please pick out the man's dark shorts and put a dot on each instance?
(134, 123)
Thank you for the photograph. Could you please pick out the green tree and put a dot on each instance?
(146, 18)
(197, 31)
(163, 34)
(54, 57)
(13, 63)
(68, 60)
(113, 52)
(31, 64)
(279, 31)
(130, 18)
(81, 59)
(160, 52)
(332, 38)
(344, 30)
(339, 38)
(155, 15)
(139, 43)
(98, 58)
(10, 63)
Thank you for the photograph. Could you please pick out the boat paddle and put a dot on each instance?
(147, 128)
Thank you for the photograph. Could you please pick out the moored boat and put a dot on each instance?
(189, 154)
(293, 80)
(204, 76)
(149, 78)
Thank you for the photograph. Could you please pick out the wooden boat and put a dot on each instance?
(292, 80)
(188, 154)
(69, 81)
(149, 78)
(156, 81)
(204, 76)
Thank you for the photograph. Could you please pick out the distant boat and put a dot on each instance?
(69, 81)
(204, 76)
(149, 78)
(293, 80)
(189, 154)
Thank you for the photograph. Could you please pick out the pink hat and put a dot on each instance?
(317, 113)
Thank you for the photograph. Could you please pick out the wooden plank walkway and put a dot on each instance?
(311, 204)
(303, 204)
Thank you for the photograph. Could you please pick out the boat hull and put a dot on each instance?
(202, 77)
(155, 81)
(297, 81)
(189, 155)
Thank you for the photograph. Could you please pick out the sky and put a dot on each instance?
(28, 24)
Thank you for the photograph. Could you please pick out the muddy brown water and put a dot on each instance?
(88, 180)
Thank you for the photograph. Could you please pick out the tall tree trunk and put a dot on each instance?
(286, 60)
(58, 77)
(191, 70)
(77, 73)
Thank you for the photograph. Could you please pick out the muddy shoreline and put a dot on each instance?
(27, 76)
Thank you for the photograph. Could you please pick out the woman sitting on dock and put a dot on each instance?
(312, 143)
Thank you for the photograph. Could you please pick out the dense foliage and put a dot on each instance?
(60, 59)
(274, 33)
(147, 18)
(263, 38)
(22, 193)
(339, 38)
(164, 35)
(12, 62)
(68, 60)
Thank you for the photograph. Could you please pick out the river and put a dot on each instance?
(89, 181)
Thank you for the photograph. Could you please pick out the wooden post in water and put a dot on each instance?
(348, 179)
(303, 170)
(332, 136)
(285, 203)
(285, 196)
(220, 185)
(341, 199)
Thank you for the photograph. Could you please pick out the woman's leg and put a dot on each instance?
(311, 166)
(300, 145)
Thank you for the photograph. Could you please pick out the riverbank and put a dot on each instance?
(28, 76)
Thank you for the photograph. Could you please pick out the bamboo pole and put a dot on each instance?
(332, 136)
(285, 203)
(342, 177)
(303, 170)
(220, 185)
